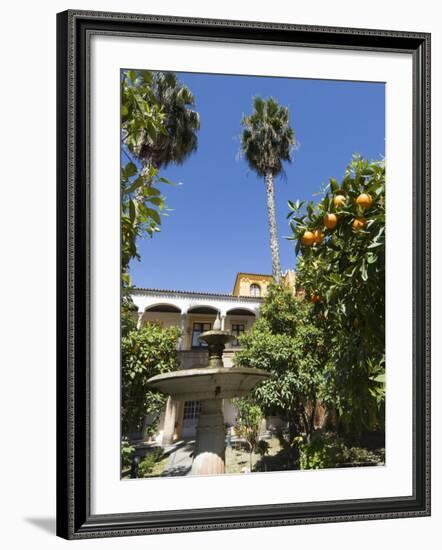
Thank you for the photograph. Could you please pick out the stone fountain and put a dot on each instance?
(210, 385)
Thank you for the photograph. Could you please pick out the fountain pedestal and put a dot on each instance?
(210, 385)
(210, 439)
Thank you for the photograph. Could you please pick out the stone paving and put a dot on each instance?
(180, 460)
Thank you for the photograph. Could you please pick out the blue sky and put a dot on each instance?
(218, 225)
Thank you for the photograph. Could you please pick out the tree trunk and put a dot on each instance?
(274, 245)
(306, 423)
(293, 449)
(312, 417)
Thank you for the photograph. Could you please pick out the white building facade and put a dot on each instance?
(195, 313)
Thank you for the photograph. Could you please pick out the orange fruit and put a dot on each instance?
(318, 235)
(364, 200)
(359, 223)
(308, 238)
(315, 298)
(339, 201)
(330, 221)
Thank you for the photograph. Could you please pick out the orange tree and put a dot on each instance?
(340, 243)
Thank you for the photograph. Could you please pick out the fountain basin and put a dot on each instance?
(201, 383)
(209, 385)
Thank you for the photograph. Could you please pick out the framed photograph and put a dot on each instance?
(243, 274)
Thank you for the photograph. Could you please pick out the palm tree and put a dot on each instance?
(175, 138)
(181, 122)
(267, 140)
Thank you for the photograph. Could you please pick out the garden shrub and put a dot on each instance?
(126, 454)
(324, 451)
(147, 464)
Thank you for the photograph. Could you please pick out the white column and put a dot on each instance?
(183, 327)
(140, 320)
(223, 321)
(169, 421)
(210, 439)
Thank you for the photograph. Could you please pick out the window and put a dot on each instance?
(199, 328)
(255, 290)
(191, 410)
(237, 330)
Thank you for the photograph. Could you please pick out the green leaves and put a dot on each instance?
(132, 75)
(267, 139)
(158, 126)
(334, 186)
(363, 270)
(141, 114)
(141, 204)
(129, 170)
(158, 201)
(154, 215)
(145, 353)
(287, 342)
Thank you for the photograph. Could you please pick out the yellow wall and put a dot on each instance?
(245, 280)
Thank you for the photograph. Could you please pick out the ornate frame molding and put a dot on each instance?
(74, 29)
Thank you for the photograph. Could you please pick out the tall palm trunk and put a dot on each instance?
(274, 246)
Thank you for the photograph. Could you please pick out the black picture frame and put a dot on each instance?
(74, 519)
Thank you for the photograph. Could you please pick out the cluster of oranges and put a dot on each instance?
(330, 220)
(311, 237)
(364, 201)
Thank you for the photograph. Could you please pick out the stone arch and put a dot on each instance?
(246, 311)
(163, 307)
(203, 309)
(163, 313)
